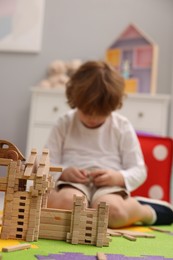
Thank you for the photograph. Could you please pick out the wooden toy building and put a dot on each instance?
(25, 213)
(135, 55)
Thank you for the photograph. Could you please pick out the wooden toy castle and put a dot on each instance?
(25, 214)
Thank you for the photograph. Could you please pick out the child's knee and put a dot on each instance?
(60, 200)
(117, 215)
(64, 199)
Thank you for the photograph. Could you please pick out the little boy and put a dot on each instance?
(100, 152)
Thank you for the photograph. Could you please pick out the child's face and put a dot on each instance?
(91, 121)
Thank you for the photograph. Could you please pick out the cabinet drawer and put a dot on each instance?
(49, 107)
(145, 115)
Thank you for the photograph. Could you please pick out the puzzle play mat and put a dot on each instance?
(158, 248)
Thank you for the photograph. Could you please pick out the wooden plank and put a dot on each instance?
(5, 161)
(3, 180)
(32, 158)
(129, 237)
(55, 169)
(16, 247)
(51, 234)
(54, 221)
(48, 212)
(57, 228)
(130, 233)
(101, 256)
(42, 170)
(28, 170)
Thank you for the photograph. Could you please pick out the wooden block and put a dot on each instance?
(51, 234)
(38, 186)
(5, 161)
(12, 168)
(11, 184)
(28, 170)
(99, 243)
(102, 211)
(29, 238)
(129, 232)
(19, 202)
(3, 180)
(74, 241)
(3, 187)
(50, 227)
(56, 213)
(42, 170)
(129, 237)
(101, 256)
(102, 204)
(32, 157)
(160, 230)
(20, 229)
(39, 181)
(54, 221)
(44, 157)
(19, 174)
(6, 222)
(16, 247)
(55, 169)
(4, 235)
(22, 195)
(10, 190)
(30, 232)
(34, 192)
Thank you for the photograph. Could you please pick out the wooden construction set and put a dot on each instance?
(25, 214)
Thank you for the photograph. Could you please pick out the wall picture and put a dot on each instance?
(21, 24)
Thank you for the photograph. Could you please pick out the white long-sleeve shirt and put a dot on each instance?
(113, 145)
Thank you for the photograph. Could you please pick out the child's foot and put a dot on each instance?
(163, 210)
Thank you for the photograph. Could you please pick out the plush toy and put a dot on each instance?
(59, 72)
(73, 65)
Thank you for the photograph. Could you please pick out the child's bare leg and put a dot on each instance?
(63, 199)
(125, 212)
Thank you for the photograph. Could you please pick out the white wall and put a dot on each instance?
(79, 29)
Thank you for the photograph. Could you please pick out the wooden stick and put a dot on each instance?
(129, 237)
(161, 230)
(16, 247)
(129, 232)
(101, 256)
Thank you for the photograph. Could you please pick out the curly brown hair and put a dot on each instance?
(95, 88)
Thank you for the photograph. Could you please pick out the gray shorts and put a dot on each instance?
(92, 193)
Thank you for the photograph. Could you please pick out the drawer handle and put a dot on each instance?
(140, 114)
(55, 109)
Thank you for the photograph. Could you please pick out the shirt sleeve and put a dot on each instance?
(133, 165)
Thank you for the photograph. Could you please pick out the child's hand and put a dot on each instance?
(107, 177)
(73, 174)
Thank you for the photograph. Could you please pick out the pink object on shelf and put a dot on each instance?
(143, 57)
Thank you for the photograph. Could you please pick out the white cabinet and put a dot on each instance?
(147, 113)
(46, 106)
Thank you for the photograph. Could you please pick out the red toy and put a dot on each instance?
(158, 155)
